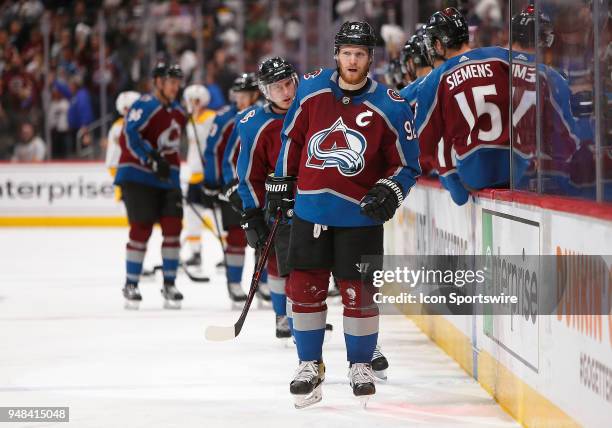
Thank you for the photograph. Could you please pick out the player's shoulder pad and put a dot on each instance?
(313, 82)
(389, 102)
(118, 122)
(142, 108)
(523, 56)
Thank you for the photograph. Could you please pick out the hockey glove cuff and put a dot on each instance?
(159, 166)
(280, 193)
(229, 193)
(382, 200)
(255, 227)
(210, 195)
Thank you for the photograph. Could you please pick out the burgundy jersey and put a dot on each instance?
(150, 126)
(462, 116)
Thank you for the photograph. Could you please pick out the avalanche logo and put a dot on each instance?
(337, 147)
(170, 139)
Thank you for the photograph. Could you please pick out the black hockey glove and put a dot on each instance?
(210, 195)
(229, 193)
(255, 227)
(281, 195)
(382, 200)
(159, 165)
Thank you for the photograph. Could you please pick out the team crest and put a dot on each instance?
(394, 95)
(337, 147)
(170, 139)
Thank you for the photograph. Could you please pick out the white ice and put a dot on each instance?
(65, 340)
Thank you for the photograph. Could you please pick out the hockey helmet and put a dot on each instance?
(162, 69)
(125, 100)
(355, 33)
(274, 70)
(449, 27)
(196, 92)
(245, 82)
(523, 28)
(414, 49)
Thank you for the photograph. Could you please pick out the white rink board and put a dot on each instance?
(75, 189)
(551, 354)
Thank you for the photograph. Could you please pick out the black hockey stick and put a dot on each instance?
(191, 276)
(221, 333)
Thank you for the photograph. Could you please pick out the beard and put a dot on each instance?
(353, 78)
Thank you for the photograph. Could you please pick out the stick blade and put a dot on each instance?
(216, 333)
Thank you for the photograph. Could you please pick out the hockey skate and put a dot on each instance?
(236, 294)
(195, 260)
(132, 296)
(306, 384)
(282, 328)
(361, 380)
(172, 297)
(379, 364)
(263, 296)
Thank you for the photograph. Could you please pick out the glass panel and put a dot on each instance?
(565, 153)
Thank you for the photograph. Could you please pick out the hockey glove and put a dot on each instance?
(382, 200)
(255, 227)
(210, 195)
(281, 195)
(229, 193)
(159, 165)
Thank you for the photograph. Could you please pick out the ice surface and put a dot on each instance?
(65, 340)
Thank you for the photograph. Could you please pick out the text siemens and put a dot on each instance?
(469, 71)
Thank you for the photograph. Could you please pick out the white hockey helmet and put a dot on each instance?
(125, 100)
(196, 92)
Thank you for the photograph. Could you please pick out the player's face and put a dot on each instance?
(353, 63)
(170, 88)
(282, 92)
(245, 99)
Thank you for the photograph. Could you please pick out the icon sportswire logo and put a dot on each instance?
(337, 147)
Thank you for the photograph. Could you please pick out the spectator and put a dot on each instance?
(57, 117)
(80, 112)
(31, 148)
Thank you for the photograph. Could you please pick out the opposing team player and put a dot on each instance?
(148, 174)
(260, 143)
(244, 93)
(200, 122)
(462, 109)
(123, 103)
(350, 152)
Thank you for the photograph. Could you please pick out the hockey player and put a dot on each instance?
(416, 66)
(148, 174)
(196, 99)
(559, 132)
(259, 134)
(350, 151)
(123, 103)
(462, 109)
(394, 77)
(245, 93)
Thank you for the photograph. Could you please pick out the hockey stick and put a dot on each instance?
(191, 276)
(221, 333)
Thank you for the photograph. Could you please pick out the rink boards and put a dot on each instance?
(549, 370)
(60, 194)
